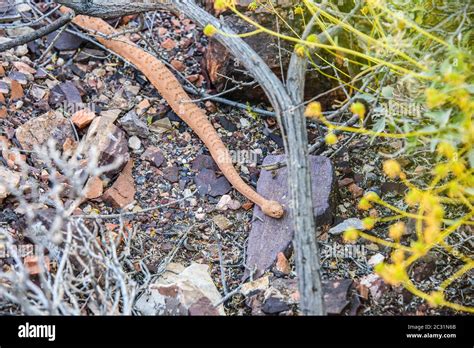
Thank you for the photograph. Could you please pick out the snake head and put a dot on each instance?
(273, 209)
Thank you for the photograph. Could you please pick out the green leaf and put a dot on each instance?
(441, 116)
(387, 92)
(470, 158)
(379, 126)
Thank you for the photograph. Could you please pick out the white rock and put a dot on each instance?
(244, 123)
(343, 226)
(134, 143)
(8, 180)
(376, 259)
(223, 202)
(179, 289)
(23, 7)
(259, 284)
(200, 216)
(21, 50)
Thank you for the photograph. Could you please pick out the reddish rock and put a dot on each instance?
(109, 140)
(39, 130)
(171, 173)
(153, 155)
(356, 190)
(345, 182)
(143, 106)
(210, 106)
(24, 68)
(193, 78)
(16, 90)
(178, 65)
(83, 118)
(248, 205)
(32, 264)
(168, 44)
(94, 188)
(122, 192)
(3, 112)
(282, 264)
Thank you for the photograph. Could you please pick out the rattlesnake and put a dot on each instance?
(170, 89)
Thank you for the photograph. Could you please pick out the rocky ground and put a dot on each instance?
(167, 163)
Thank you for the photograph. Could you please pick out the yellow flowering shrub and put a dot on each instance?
(431, 68)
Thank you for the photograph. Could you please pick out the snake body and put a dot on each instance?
(170, 89)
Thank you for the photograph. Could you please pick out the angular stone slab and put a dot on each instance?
(270, 236)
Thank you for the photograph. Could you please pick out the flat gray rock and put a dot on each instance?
(270, 236)
(343, 226)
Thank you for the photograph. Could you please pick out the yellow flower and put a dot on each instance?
(209, 30)
(398, 256)
(313, 38)
(462, 99)
(372, 196)
(446, 149)
(220, 5)
(358, 109)
(454, 78)
(253, 6)
(436, 298)
(299, 10)
(400, 24)
(392, 168)
(330, 138)
(453, 189)
(458, 168)
(313, 110)
(419, 248)
(441, 170)
(300, 50)
(369, 223)
(396, 230)
(364, 204)
(351, 235)
(431, 233)
(435, 98)
(393, 274)
(413, 197)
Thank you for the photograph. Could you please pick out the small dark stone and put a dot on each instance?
(18, 76)
(56, 96)
(172, 116)
(65, 41)
(203, 161)
(277, 139)
(208, 183)
(393, 187)
(8, 215)
(77, 71)
(40, 74)
(133, 125)
(71, 93)
(171, 174)
(153, 155)
(140, 180)
(335, 295)
(274, 305)
(228, 125)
